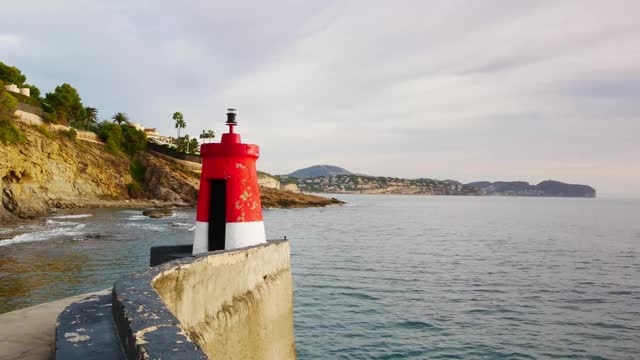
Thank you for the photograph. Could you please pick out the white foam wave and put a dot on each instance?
(137, 218)
(60, 223)
(57, 232)
(77, 216)
(179, 224)
(150, 227)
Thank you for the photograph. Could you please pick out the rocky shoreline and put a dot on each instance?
(271, 199)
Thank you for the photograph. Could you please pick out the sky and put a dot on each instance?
(464, 90)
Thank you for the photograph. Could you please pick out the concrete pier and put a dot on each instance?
(28, 334)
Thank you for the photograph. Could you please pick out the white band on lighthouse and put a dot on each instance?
(201, 237)
(241, 234)
(237, 235)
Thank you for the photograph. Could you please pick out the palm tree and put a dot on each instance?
(180, 123)
(120, 118)
(91, 116)
(207, 135)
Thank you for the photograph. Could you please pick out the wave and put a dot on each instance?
(60, 223)
(77, 216)
(137, 218)
(58, 232)
(146, 226)
(179, 224)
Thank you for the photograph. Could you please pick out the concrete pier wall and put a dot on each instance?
(235, 304)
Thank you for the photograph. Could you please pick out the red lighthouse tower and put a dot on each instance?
(229, 213)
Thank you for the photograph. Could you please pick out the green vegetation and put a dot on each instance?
(193, 147)
(111, 134)
(45, 131)
(65, 105)
(9, 132)
(122, 138)
(180, 123)
(120, 118)
(288, 180)
(8, 104)
(71, 134)
(34, 92)
(177, 167)
(134, 140)
(137, 170)
(11, 75)
(187, 145)
(27, 100)
(207, 135)
(126, 139)
(62, 106)
(135, 190)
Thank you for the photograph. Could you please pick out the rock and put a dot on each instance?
(9, 200)
(157, 213)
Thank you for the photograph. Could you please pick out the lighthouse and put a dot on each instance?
(229, 213)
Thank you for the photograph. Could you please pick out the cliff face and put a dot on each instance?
(268, 181)
(168, 180)
(49, 170)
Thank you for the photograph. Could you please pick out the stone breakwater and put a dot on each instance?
(237, 304)
(230, 304)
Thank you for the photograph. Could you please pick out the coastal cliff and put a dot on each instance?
(50, 170)
(549, 188)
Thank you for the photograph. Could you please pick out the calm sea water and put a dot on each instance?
(395, 277)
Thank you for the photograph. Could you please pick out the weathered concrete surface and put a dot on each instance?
(29, 333)
(86, 331)
(235, 304)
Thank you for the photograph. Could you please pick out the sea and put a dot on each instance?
(394, 277)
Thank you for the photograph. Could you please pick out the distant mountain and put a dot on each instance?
(521, 188)
(318, 171)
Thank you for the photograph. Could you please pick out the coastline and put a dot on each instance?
(271, 199)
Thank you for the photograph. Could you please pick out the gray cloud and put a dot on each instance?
(456, 89)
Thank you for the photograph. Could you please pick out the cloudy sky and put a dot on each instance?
(466, 90)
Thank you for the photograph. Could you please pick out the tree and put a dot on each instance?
(11, 75)
(134, 139)
(120, 118)
(207, 134)
(182, 144)
(8, 104)
(193, 147)
(180, 123)
(34, 91)
(91, 116)
(66, 103)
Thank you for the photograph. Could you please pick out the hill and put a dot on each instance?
(319, 170)
(549, 188)
(362, 184)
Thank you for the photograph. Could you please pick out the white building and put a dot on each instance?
(14, 88)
